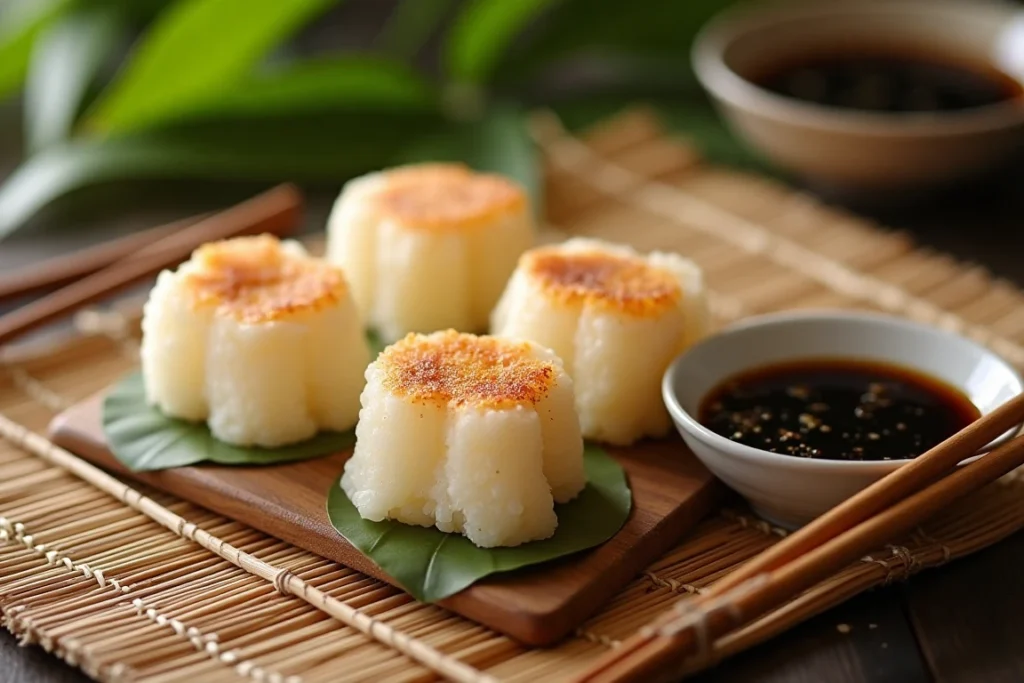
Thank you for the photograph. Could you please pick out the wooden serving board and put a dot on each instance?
(537, 605)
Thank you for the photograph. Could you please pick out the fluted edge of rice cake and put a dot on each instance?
(616, 317)
(473, 435)
(428, 247)
(258, 339)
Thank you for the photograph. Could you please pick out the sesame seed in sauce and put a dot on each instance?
(836, 409)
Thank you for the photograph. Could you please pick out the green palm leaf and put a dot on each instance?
(195, 49)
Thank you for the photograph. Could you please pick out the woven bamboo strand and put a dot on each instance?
(756, 525)
(200, 549)
(181, 583)
(282, 579)
(25, 627)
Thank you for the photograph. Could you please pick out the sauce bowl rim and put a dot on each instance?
(708, 55)
(684, 420)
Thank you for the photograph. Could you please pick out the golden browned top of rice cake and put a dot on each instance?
(447, 197)
(434, 169)
(604, 279)
(466, 370)
(255, 280)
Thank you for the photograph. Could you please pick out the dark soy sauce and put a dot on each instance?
(837, 410)
(871, 80)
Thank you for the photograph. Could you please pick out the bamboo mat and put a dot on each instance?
(131, 584)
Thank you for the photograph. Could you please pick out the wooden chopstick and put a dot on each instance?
(712, 617)
(277, 211)
(879, 514)
(62, 270)
(911, 477)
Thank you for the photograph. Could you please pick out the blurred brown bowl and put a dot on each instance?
(860, 149)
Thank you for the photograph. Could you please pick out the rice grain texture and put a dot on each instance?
(428, 247)
(473, 435)
(616, 318)
(258, 339)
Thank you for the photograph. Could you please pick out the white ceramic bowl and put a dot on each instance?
(857, 150)
(791, 491)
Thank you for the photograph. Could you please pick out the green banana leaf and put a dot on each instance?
(432, 565)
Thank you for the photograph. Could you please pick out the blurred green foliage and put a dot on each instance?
(117, 89)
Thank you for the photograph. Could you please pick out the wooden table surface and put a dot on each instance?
(963, 622)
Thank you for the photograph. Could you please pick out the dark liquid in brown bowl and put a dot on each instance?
(837, 410)
(882, 81)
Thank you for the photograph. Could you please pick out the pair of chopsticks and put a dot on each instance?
(877, 515)
(108, 268)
